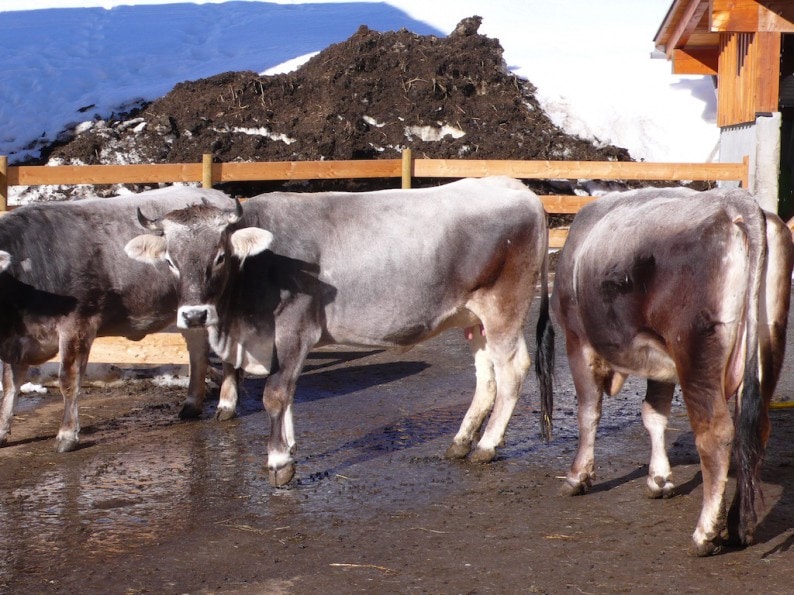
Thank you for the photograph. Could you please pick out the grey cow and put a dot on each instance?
(687, 288)
(65, 280)
(389, 269)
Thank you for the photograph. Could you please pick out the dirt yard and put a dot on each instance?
(150, 504)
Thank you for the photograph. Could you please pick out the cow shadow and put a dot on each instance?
(403, 434)
(317, 382)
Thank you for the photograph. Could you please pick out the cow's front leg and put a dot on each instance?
(589, 393)
(292, 350)
(227, 402)
(281, 444)
(655, 413)
(13, 377)
(74, 359)
(198, 352)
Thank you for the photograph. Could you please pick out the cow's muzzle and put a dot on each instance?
(196, 317)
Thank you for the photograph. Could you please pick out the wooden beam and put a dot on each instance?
(564, 204)
(687, 24)
(27, 175)
(599, 170)
(750, 16)
(557, 237)
(306, 170)
(158, 348)
(696, 61)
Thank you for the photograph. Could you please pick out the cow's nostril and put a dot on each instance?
(196, 317)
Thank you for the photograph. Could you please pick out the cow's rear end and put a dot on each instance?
(681, 288)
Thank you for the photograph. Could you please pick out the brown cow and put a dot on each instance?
(686, 288)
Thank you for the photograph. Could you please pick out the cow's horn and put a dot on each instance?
(150, 224)
(238, 211)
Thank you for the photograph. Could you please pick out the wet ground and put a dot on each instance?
(150, 504)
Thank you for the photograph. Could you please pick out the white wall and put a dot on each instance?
(761, 142)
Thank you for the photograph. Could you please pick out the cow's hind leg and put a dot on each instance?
(511, 362)
(13, 377)
(588, 375)
(655, 413)
(713, 428)
(483, 400)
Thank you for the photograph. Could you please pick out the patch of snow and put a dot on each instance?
(433, 133)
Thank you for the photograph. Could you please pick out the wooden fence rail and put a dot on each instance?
(159, 348)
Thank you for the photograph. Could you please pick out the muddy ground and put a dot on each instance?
(150, 504)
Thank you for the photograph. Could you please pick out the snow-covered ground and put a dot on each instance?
(64, 61)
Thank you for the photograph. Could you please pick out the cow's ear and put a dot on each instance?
(5, 260)
(146, 248)
(250, 241)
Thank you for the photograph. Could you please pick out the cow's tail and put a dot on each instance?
(544, 358)
(749, 444)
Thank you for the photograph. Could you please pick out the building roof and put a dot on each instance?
(690, 33)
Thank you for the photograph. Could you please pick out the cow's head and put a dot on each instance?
(203, 250)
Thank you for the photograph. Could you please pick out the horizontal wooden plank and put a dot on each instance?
(306, 170)
(557, 237)
(696, 61)
(433, 168)
(751, 16)
(563, 204)
(29, 175)
(601, 170)
(158, 348)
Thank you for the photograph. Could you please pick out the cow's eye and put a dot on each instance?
(170, 263)
(219, 259)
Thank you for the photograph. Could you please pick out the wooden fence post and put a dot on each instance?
(745, 181)
(407, 168)
(3, 183)
(206, 170)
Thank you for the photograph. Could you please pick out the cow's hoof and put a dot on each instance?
(457, 451)
(3, 440)
(483, 455)
(659, 487)
(224, 414)
(282, 476)
(574, 488)
(190, 411)
(65, 444)
(708, 548)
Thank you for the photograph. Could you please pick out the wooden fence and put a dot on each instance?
(164, 347)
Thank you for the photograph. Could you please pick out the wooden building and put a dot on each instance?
(748, 47)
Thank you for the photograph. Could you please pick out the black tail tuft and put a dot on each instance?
(544, 357)
(749, 451)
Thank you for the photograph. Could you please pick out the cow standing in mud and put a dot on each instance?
(686, 288)
(65, 280)
(388, 269)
